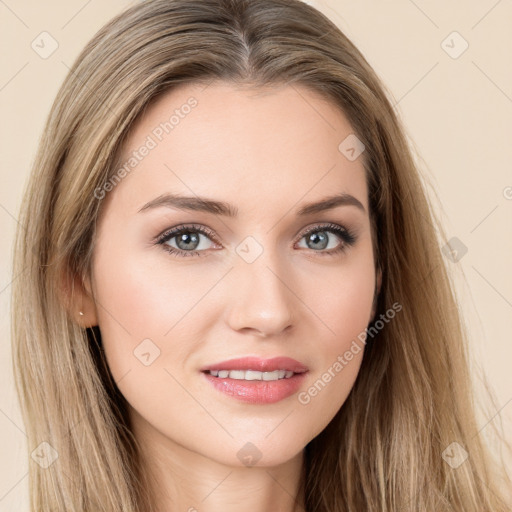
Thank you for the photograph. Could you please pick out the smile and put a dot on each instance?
(251, 374)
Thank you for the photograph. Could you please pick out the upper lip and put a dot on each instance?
(259, 364)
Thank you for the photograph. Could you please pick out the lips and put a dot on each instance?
(255, 381)
(258, 364)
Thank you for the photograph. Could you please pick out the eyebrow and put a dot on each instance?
(203, 204)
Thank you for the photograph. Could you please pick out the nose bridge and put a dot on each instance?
(261, 298)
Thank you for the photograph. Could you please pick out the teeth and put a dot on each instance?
(251, 374)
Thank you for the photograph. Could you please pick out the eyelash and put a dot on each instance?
(348, 238)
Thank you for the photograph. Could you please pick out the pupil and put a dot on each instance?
(319, 236)
(188, 239)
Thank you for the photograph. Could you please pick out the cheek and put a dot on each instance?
(341, 299)
(143, 306)
(149, 317)
(343, 307)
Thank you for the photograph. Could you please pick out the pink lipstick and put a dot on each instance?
(255, 380)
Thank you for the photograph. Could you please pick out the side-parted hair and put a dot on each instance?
(413, 396)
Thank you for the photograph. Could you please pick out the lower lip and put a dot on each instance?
(258, 391)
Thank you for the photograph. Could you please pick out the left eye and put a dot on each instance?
(321, 238)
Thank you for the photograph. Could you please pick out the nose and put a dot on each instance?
(261, 298)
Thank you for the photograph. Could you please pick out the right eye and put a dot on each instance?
(187, 240)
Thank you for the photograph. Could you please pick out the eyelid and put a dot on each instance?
(201, 228)
(323, 225)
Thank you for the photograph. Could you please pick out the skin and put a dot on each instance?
(267, 152)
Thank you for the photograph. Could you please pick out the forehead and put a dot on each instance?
(240, 144)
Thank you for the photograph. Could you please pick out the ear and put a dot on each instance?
(77, 297)
(378, 285)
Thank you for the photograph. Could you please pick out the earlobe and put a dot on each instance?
(379, 280)
(77, 297)
(87, 313)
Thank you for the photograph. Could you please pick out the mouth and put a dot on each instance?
(257, 381)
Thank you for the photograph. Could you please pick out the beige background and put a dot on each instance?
(458, 113)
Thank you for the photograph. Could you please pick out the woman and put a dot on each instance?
(232, 289)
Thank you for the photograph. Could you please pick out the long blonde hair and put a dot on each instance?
(413, 398)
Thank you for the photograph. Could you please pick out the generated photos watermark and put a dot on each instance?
(151, 142)
(304, 397)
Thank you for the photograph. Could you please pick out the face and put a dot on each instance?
(183, 285)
